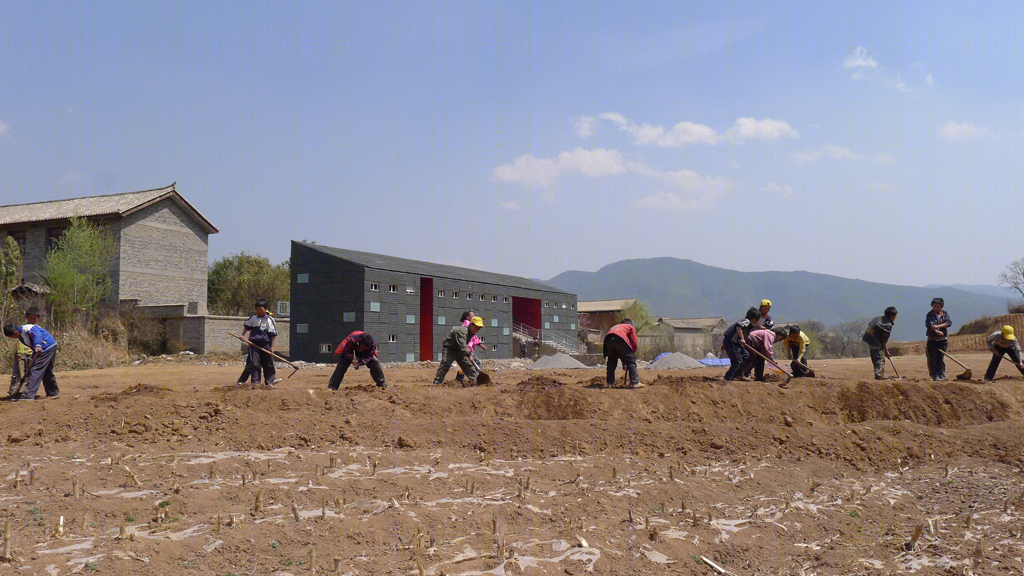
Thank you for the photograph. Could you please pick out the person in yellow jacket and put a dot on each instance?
(796, 343)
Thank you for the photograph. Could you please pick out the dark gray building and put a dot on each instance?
(409, 306)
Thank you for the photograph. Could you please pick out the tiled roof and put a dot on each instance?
(91, 206)
(394, 264)
(694, 323)
(605, 305)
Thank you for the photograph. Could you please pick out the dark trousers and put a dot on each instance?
(376, 371)
(256, 362)
(41, 372)
(616, 349)
(936, 361)
(449, 357)
(997, 357)
(756, 364)
(462, 375)
(798, 370)
(738, 357)
(877, 360)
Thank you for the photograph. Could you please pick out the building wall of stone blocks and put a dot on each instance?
(330, 286)
(324, 292)
(35, 246)
(163, 257)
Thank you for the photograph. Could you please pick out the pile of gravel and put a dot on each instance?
(674, 361)
(559, 361)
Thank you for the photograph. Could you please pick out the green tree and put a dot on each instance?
(640, 314)
(77, 271)
(235, 282)
(10, 264)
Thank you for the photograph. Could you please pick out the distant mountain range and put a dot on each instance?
(675, 288)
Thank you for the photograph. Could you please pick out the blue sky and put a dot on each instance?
(873, 140)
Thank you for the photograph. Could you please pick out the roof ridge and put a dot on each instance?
(164, 188)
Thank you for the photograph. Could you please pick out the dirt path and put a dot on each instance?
(542, 473)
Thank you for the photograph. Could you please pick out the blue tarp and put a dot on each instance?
(715, 362)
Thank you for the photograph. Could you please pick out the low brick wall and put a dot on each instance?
(209, 334)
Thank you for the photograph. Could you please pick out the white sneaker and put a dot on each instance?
(275, 381)
(239, 383)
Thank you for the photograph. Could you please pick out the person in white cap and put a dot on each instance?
(999, 343)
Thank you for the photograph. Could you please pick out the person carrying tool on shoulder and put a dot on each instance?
(766, 318)
(262, 331)
(796, 343)
(734, 339)
(360, 349)
(621, 343)
(762, 340)
(40, 368)
(455, 349)
(937, 324)
(999, 343)
(877, 337)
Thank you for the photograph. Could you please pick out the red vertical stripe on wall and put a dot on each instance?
(426, 319)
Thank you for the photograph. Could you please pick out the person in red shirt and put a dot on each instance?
(620, 344)
(359, 349)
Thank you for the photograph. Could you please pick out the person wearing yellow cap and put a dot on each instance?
(766, 318)
(999, 343)
(455, 349)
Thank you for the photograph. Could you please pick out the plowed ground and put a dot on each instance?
(541, 473)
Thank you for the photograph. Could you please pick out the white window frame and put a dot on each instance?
(494, 298)
(374, 287)
(410, 289)
(392, 338)
(455, 294)
(504, 299)
(325, 348)
(393, 288)
(440, 293)
(469, 295)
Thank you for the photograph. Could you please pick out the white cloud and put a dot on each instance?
(583, 126)
(690, 189)
(767, 129)
(961, 131)
(780, 189)
(900, 84)
(528, 169)
(3, 128)
(692, 133)
(834, 152)
(929, 79)
(860, 59)
(509, 205)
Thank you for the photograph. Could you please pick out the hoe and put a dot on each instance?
(966, 375)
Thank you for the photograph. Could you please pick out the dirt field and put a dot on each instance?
(542, 473)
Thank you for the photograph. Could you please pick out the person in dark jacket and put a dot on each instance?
(877, 337)
(621, 343)
(262, 332)
(357, 349)
(937, 324)
(40, 370)
(733, 342)
(455, 349)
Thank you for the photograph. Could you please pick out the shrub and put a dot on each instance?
(978, 326)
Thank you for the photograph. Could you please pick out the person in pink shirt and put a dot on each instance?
(762, 340)
(474, 342)
(621, 344)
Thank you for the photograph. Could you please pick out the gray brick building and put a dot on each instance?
(409, 306)
(162, 243)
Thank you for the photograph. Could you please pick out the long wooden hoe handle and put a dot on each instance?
(954, 360)
(294, 367)
(766, 359)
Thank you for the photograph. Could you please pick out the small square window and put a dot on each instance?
(504, 331)
(392, 338)
(546, 304)
(302, 278)
(410, 289)
(555, 319)
(348, 317)
(410, 357)
(455, 294)
(302, 328)
(547, 325)
(374, 306)
(392, 288)
(438, 356)
(494, 298)
(572, 306)
(504, 299)
(572, 326)
(469, 295)
(494, 321)
(440, 293)
(410, 319)
(441, 320)
(325, 348)
(482, 297)
(374, 286)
